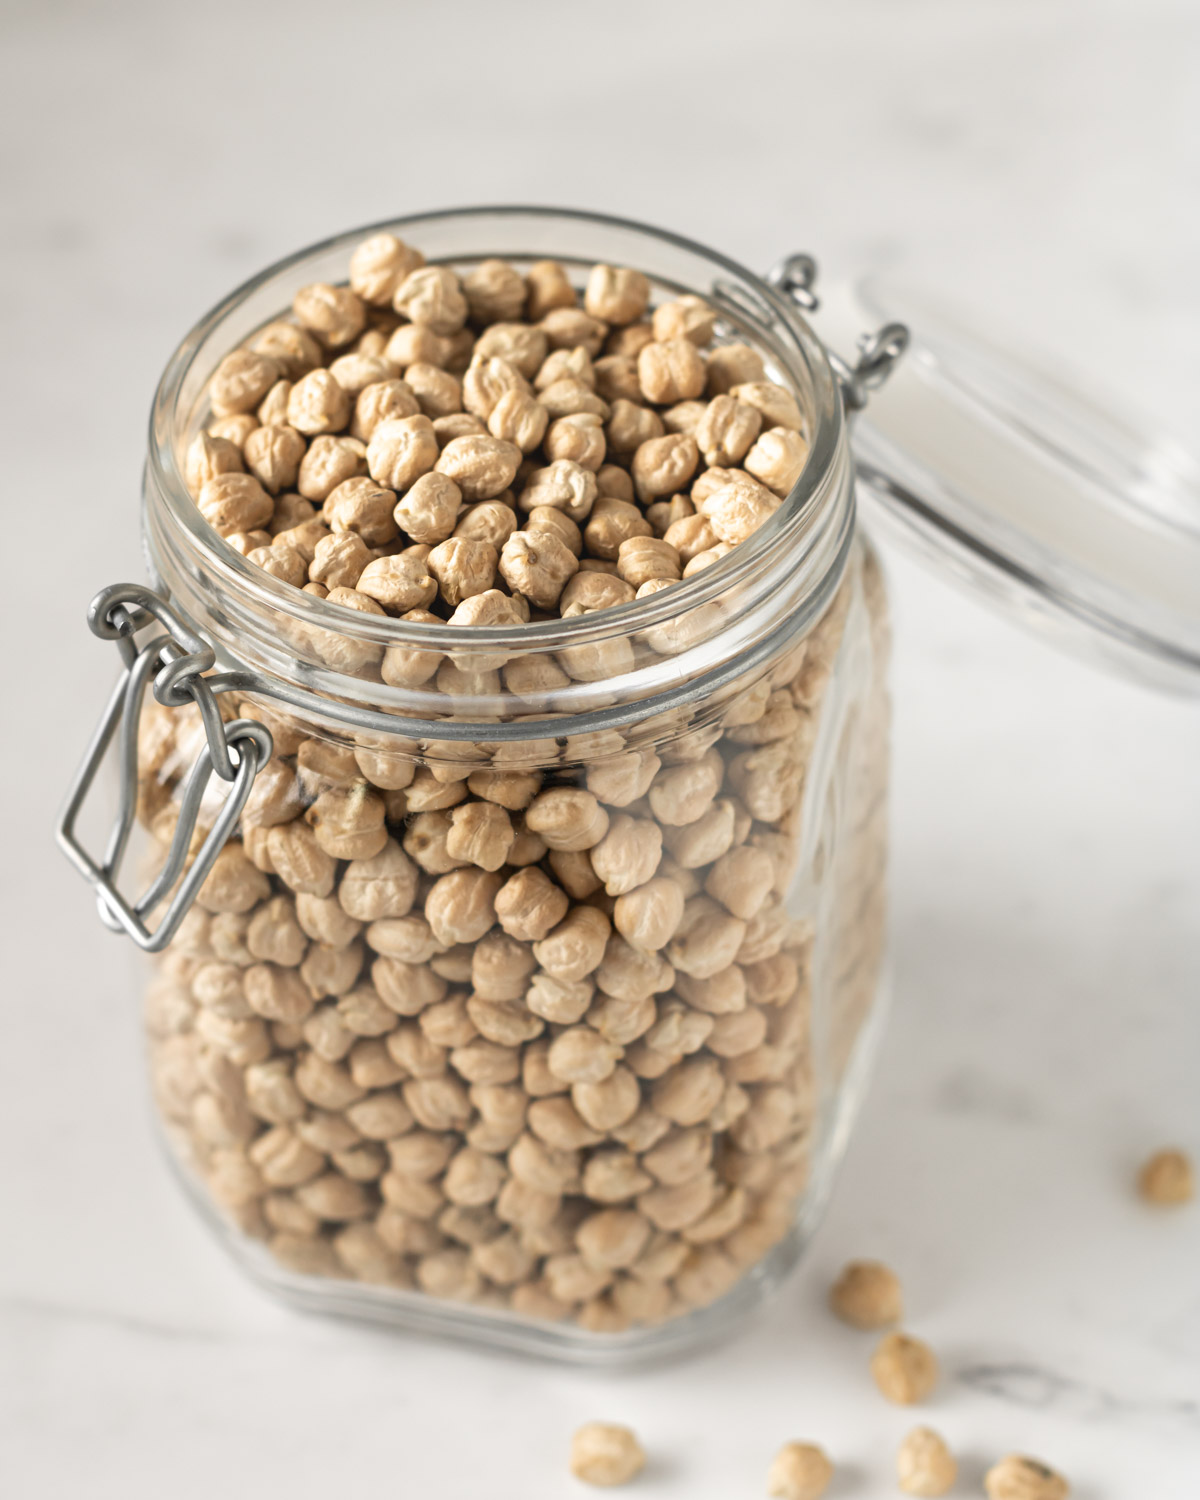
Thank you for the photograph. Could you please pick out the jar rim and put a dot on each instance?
(794, 516)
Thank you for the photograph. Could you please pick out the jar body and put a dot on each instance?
(533, 1002)
(396, 1125)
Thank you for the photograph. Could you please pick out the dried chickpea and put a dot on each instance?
(317, 403)
(801, 1471)
(208, 456)
(462, 568)
(670, 371)
(578, 438)
(293, 349)
(688, 317)
(777, 459)
(1167, 1178)
(379, 265)
(333, 313)
(663, 465)
(904, 1368)
(537, 565)
(616, 295)
(548, 287)
(432, 296)
(328, 463)
(401, 450)
(867, 1294)
(1019, 1478)
(495, 292)
(924, 1465)
(382, 401)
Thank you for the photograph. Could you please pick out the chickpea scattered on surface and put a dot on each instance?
(924, 1464)
(1020, 1478)
(1167, 1179)
(606, 1454)
(867, 1295)
(801, 1471)
(904, 1368)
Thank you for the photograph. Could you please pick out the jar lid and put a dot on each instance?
(1027, 489)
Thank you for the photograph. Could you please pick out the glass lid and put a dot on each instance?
(1027, 489)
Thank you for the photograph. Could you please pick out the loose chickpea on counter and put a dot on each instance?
(521, 1024)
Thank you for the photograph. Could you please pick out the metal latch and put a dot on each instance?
(174, 663)
(878, 353)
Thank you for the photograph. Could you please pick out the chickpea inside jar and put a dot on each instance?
(511, 772)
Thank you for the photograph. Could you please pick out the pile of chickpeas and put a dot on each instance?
(528, 1028)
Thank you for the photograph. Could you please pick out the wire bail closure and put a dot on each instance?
(878, 353)
(172, 664)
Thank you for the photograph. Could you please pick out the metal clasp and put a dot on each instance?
(878, 353)
(173, 663)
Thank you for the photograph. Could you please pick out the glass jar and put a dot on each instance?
(523, 983)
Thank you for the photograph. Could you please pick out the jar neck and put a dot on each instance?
(691, 644)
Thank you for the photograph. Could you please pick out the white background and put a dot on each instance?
(1037, 161)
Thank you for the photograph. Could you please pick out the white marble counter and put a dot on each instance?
(1034, 159)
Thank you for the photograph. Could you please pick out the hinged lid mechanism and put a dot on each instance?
(1028, 490)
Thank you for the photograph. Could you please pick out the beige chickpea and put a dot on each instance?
(348, 822)
(776, 405)
(671, 371)
(777, 459)
(487, 521)
(339, 559)
(537, 565)
(438, 393)
(414, 344)
(330, 461)
(606, 1454)
(522, 346)
(623, 778)
(481, 833)
(299, 861)
(511, 789)
(572, 327)
(548, 287)
(280, 562)
(678, 1032)
(570, 397)
(690, 1092)
(235, 429)
(801, 1471)
(904, 1368)
(690, 536)
(401, 450)
(363, 506)
(611, 523)
(241, 381)
(628, 854)
(378, 266)
(644, 559)
(578, 438)
(688, 317)
(401, 583)
(303, 538)
(610, 1102)
(382, 401)
(741, 880)
(293, 349)
(566, 364)
(575, 947)
(462, 568)
(663, 465)
(208, 456)
(407, 666)
(482, 467)
(325, 920)
(432, 296)
(429, 511)
(648, 917)
(272, 411)
(682, 793)
(581, 1055)
(627, 975)
(233, 502)
(560, 1001)
(727, 431)
(924, 1464)
(1019, 1478)
(357, 370)
(616, 377)
(616, 294)
(519, 420)
(500, 970)
(563, 485)
(334, 314)
(460, 907)
(529, 905)
(707, 938)
(318, 404)
(731, 365)
(567, 818)
(495, 292)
